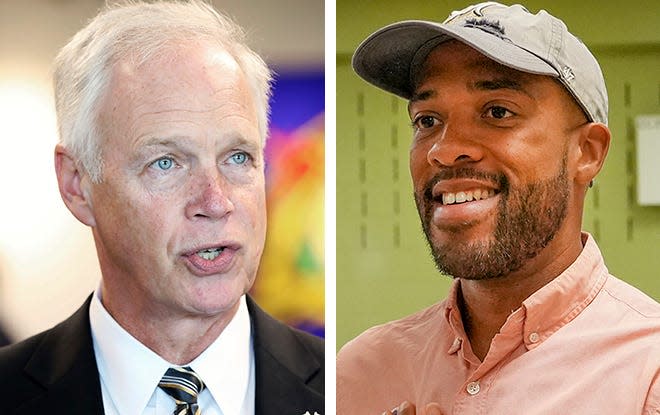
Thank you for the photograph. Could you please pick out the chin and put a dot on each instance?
(218, 298)
(466, 234)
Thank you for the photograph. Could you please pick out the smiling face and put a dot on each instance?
(179, 217)
(490, 162)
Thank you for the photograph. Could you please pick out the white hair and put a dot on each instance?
(139, 30)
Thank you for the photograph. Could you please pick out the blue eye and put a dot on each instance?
(239, 158)
(164, 163)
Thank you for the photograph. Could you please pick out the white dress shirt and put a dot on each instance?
(129, 371)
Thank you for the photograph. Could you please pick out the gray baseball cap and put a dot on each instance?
(511, 35)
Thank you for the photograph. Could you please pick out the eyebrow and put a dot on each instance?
(498, 82)
(422, 96)
(503, 83)
(495, 76)
(161, 141)
(187, 145)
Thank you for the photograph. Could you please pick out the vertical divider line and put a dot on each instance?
(362, 170)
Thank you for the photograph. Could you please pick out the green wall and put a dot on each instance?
(384, 270)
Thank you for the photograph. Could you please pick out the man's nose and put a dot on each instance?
(457, 143)
(210, 197)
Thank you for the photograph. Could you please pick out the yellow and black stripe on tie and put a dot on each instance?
(183, 385)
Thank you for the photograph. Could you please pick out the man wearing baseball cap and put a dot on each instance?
(509, 114)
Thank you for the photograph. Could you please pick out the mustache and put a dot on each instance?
(497, 179)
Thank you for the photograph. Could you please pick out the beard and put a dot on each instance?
(527, 220)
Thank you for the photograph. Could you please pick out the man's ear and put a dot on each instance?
(593, 145)
(74, 186)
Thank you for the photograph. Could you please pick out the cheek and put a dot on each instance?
(135, 219)
(419, 166)
(259, 210)
(528, 154)
(251, 214)
(250, 203)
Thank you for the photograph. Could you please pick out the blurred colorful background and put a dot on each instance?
(291, 277)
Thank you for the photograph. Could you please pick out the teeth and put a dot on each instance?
(210, 254)
(467, 196)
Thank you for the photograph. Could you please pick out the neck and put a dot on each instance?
(486, 304)
(178, 339)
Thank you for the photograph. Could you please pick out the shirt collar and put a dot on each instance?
(224, 366)
(562, 299)
(549, 308)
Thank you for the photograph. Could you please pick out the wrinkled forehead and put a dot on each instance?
(193, 85)
(195, 59)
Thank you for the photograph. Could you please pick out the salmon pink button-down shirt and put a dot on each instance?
(586, 343)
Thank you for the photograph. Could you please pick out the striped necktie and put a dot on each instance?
(183, 385)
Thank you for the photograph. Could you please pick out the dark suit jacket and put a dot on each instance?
(55, 371)
(4, 338)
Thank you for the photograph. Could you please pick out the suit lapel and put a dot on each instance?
(65, 366)
(289, 378)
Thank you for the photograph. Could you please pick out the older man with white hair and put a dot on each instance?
(162, 111)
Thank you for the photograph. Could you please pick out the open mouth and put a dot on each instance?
(210, 254)
(453, 198)
(211, 260)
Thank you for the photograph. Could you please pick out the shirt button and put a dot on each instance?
(473, 388)
(534, 337)
(456, 345)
